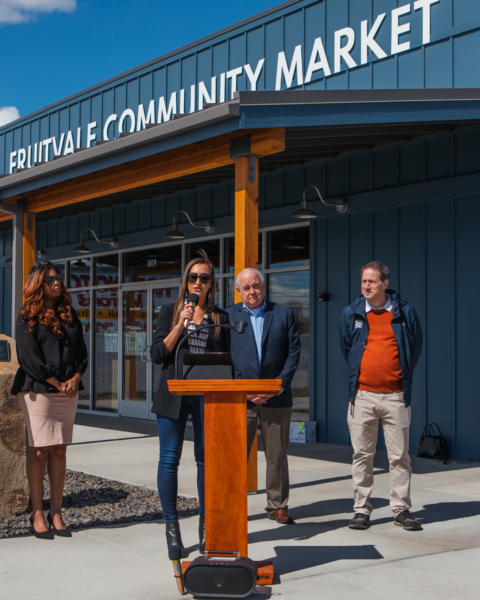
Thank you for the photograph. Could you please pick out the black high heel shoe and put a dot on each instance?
(54, 530)
(176, 550)
(201, 534)
(41, 535)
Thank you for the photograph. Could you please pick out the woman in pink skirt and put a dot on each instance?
(53, 357)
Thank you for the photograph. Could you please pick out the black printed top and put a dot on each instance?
(43, 355)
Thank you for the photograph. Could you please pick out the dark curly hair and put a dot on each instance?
(34, 310)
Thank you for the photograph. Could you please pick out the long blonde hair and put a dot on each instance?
(212, 310)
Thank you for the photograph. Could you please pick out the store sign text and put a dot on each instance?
(223, 87)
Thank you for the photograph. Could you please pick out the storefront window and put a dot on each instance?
(128, 356)
(160, 297)
(135, 321)
(152, 264)
(211, 247)
(229, 291)
(106, 350)
(293, 290)
(229, 262)
(289, 248)
(81, 304)
(106, 270)
(79, 273)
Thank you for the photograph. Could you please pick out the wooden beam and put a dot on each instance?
(246, 218)
(246, 256)
(187, 160)
(252, 467)
(28, 245)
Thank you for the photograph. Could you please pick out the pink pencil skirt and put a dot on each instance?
(49, 418)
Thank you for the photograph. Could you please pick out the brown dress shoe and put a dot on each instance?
(281, 516)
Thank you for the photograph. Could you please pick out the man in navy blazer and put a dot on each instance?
(269, 350)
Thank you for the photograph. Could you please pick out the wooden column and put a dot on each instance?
(246, 256)
(246, 218)
(28, 243)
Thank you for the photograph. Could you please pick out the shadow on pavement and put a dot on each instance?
(289, 560)
(447, 511)
(299, 531)
(334, 453)
(322, 508)
(303, 484)
(117, 424)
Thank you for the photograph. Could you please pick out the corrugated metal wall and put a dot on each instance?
(445, 63)
(433, 253)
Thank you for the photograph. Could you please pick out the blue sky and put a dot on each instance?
(51, 49)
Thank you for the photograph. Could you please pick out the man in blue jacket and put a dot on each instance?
(269, 350)
(381, 339)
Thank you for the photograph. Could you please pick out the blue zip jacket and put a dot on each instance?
(408, 333)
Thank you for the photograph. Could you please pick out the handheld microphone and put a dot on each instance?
(193, 300)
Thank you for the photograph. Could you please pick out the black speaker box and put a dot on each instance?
(216, 577)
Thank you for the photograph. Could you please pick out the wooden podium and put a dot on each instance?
(226, 460)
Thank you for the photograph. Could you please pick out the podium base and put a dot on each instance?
(265, 571)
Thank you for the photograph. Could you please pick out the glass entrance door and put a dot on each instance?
(135, 342)
(139, 376)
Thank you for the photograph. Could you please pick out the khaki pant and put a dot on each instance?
(369, 409)
(275, 428)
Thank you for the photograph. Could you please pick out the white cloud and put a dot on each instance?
(7, 114)
(19, 11)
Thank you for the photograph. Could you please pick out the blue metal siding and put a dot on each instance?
(467, 333)
(429, 250)
(447, 61)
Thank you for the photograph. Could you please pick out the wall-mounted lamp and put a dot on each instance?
(112, 242)
(174, 234)
(340, 205)
(40, 254)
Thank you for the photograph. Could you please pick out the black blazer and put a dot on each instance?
(280, 350)
(166, 404)
(43, 355)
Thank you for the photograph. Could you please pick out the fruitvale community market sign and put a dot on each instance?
(288, 74)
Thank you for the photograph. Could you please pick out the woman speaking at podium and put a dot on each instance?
(175, 321)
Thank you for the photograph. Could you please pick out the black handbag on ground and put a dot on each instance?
(431, 445)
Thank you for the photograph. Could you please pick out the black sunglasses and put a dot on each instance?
(204, 278)
(52, 278)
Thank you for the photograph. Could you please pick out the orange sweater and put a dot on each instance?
(380, 369)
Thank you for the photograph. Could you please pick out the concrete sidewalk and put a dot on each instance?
(318, 557)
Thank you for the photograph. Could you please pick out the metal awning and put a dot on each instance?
(319, 125)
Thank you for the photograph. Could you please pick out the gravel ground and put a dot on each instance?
(90, 501)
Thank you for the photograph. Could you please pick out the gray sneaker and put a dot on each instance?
(359, 521)
(405, 520)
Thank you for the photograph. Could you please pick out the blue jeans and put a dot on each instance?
(171, 433)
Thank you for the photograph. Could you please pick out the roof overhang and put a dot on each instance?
(131, 146)
(319, 124)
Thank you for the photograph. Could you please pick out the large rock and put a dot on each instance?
(14, 492)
